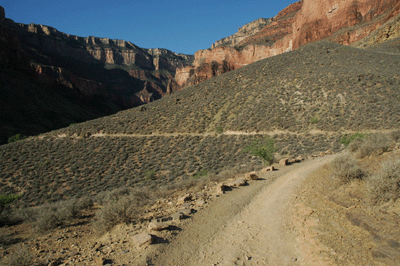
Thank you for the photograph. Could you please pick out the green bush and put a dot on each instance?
(314, 120)
(345, 168)
(17, 137)
(150, 174)
(347, 139)
(7, 199)
(384, 185)
(263, 149)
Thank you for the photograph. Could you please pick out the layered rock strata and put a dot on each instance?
(342, 21)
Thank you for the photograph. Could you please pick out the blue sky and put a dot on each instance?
(181, 26)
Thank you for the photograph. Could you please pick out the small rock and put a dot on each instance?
(186, 205)
(186, 211)
(237, 183)
(185, 198)
(221, 188)
(177, 216)
(142, 239)
(252, 176)
(283, 162)
(156, 226)
(200, 202)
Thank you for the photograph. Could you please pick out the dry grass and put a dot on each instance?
(373, 144)
(121, 206)
(384, 185)
(346, 168)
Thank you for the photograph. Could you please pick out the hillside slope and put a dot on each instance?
(305, 100)
(323, 85)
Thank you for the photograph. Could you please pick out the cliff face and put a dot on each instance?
(243, 33)
(55, 50)
(342, 21)
(261, 43)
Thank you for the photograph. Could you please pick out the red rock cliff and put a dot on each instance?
(343, 21)
(354, 19)
(269, 41)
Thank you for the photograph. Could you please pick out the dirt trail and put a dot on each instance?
(248, 226)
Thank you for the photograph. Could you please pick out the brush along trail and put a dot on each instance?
(253, 225)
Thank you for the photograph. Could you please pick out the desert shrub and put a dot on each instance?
(47, 218)
(16, 137)
(263, 149)
(347, 139)
(345, 168)
(121, 210)
(150, 174)
(384, 185)
(67, 210)
(314, 120)
(355, 145)
(7, 199)
(61, 213)
(373, 143)
(395, 135)
(22, 257)
(85, 203)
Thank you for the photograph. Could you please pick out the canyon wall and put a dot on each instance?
(55, 48)
(342, 21)
(262, 43)
(50, 79)
(244, 32)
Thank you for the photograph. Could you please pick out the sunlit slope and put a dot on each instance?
(323, 85)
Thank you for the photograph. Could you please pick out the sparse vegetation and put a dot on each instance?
(370, 144)
(384, 185)
(17, 137)
(348, 138)
(7, 199)
(345, 168)
(122, 206)
(264, 149)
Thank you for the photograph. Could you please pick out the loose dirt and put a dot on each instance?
(253, 225)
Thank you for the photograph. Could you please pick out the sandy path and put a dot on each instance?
(247, 226)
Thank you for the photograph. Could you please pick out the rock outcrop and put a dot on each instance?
(2, 14)
(342, 21)
(243, 33)
(54, 48)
